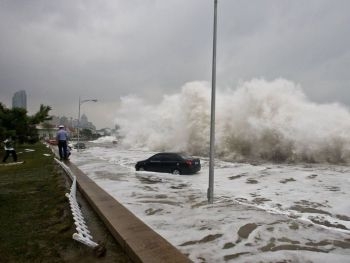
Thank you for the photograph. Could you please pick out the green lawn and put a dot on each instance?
(35, 220)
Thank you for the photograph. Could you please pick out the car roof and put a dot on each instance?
(184, 155)
(168, 153)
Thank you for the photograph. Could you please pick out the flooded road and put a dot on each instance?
(261, 213)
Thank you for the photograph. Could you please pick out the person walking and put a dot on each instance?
(9, 149)
(62, 140)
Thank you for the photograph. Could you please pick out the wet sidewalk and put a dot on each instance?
(138, 240)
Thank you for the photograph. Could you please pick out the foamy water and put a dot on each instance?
(105, 139)
(261, 213)
(258, 120)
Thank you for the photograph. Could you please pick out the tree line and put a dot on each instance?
(17, 124)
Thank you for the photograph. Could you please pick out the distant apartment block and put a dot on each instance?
(19, 100)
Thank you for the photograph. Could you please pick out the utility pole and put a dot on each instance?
(212, 118)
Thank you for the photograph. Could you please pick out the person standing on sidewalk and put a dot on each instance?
(9, 149)
(62, 141)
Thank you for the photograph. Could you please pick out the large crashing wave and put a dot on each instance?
(258, 120)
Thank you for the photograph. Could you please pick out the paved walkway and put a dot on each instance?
(138, 240)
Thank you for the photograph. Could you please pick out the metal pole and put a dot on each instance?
(78, 126)
(212, 119)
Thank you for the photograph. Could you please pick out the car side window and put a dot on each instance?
(166, 158)
(157, 157)
(172, 157)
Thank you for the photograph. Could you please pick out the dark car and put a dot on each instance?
(175, 163)
(79, 145)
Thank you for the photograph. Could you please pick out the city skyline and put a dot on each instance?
(19, 100)
(73, 122)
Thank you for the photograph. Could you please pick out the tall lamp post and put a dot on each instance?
(212, 118)
(81, 102)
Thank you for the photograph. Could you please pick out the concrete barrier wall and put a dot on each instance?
(139, 241)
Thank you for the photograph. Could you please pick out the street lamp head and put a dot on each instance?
(83, 101)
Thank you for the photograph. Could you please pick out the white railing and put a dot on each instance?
(83, 233)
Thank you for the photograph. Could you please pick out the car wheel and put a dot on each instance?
(176, 171)
(141, 169)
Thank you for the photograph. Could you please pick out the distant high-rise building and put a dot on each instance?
(19, 100)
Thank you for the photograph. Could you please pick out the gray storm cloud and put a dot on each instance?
(60, 50)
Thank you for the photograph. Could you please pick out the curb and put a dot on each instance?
(139, 241)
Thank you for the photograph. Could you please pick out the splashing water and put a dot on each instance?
(105, 139)
(258, 120)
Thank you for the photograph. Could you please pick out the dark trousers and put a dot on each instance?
(62, 149)
(13, 153)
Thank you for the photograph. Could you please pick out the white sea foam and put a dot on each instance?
(105, 139)
(300, 211)
(258, 120)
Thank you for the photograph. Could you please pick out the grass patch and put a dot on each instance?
(36, 224)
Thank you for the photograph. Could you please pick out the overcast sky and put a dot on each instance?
(60, 50)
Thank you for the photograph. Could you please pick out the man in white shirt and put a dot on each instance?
(9, 149)
(62, 139)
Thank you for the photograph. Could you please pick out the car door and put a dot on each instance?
(154, 163)
(170, 162)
